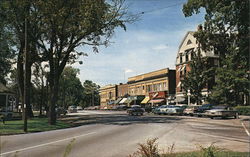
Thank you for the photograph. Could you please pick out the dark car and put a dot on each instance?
(60, 111)
(135, 110)
(203, 108)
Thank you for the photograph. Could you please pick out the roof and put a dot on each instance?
(4, 89)
(189, 32)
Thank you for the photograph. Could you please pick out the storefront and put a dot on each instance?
(158, 98)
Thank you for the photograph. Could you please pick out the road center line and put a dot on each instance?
(41, 145)
(245, 128)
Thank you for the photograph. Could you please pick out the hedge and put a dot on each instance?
(243, 110)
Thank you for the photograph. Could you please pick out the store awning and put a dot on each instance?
(179, 84)
(156, 101)
(145, 100)
(179, 68)
(123, 101)
(184, 66)
(117, 101)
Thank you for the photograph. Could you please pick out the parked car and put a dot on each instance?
(175, 110)
(149, 109)
(79, 108)
(191, 110)
(135, 110)
(203, 108)
(221, 111)
(72, 109)
(60, 111)
(159, 109)
(92, 108)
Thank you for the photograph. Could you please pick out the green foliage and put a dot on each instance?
(231, 83)
(199, 76)
(70, 88)
(6, 52)
(34, 125)
(149, 149)
(91, 94)
(226, 33)
(243, 110)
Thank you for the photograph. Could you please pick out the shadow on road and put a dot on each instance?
(118, 119)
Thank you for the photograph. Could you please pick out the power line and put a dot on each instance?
(157, 9)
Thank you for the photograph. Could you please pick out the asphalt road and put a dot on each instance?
(115, 134)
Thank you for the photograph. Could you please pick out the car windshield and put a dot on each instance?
(135, 106)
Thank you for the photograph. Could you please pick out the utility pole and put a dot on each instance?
(25, 80)
(93, 97)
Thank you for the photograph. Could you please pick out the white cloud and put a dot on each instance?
(160, 47)
(128, 70)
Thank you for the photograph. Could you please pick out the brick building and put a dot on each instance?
(187, 48)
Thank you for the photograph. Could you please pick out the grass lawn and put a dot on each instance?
(34, 125)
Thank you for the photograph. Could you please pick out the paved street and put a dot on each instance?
(113, 134)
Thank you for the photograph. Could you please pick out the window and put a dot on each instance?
(189, 42)
(187, 57)
(180, 58)
(192, 55)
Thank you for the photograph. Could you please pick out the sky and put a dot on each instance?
(149, 44)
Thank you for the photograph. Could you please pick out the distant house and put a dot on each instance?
(7, 99)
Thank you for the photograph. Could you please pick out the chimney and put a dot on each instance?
(199, 27)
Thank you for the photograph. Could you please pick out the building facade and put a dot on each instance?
(108, 95)
(188, 47)
(122, 90)
(160, 80)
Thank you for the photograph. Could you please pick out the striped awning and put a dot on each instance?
(123, 101)
(155, 101)
(145, 100)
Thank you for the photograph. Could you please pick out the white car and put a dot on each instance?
(221, 111)
(79, 108)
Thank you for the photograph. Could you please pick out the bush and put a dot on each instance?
(149, 149)
(243, 110)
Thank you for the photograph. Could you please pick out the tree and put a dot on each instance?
(230, 84)
(198, 77)
(90, 94)
(226, 33)
(70, 88)
(6, 52)
(55, 29)
(67, 25)
(21, 20)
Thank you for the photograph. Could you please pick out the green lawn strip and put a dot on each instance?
(34, 125)
(201, 154)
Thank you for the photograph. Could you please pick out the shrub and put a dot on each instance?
(149, 149)
(243, 110)
(210, 151)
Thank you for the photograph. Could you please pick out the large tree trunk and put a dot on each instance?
(28, 88)
(53, 99)
(20, 78)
